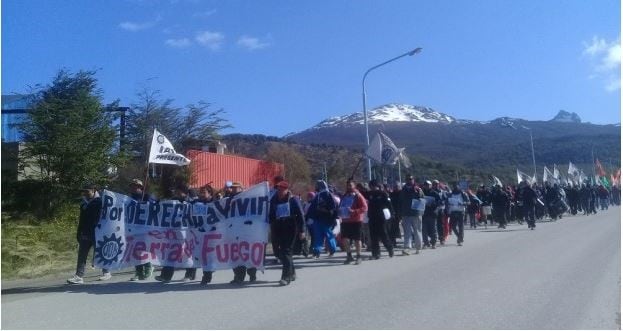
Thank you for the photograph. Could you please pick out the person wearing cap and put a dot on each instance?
(379, 213)
(411, 217)
(286, 219)
(141, 271)
(429, 218)
(166, 274)
(352, 208)
(323, 212)
(90, 209)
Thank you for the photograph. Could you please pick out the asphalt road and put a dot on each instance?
(563, 275)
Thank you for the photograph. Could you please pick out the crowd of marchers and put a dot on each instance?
(407, 217)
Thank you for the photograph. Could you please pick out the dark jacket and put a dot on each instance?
(431, 207)
(499, 199)
(407, 195)
(377, 201)
(323, 208)
(295, 218)
(89, 218)
(528, 196)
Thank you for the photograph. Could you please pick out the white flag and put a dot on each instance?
(162, 151)
(557, 173)
(497, 181)
(383, 150)
(548, 176)
(521, 176)
(404, 159)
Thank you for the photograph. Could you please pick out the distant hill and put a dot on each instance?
(498, 145)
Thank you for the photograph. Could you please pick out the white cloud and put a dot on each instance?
(252, 43)
(178, 43)
(138, 26)
(204, 14)
(209, 39)
(605, 57)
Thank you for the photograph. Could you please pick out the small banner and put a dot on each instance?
(219, 235)
(162, 151)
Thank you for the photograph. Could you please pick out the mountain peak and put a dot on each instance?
(567, 117)
(392, 112)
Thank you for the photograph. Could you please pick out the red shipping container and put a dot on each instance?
(217, 169)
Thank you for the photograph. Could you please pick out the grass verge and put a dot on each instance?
(33, 248)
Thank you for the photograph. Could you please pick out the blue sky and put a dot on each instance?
(283, 66)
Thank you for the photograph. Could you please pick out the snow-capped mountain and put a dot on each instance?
(389, 113)
(566, 117)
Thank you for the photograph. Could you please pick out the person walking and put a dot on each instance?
(145, 270)
(429, 218)
(352, 208)
(456, 208)
(286, 219)
(499, 204)
(89, 217)
(379, 212)
(412, 208)
(323, 211)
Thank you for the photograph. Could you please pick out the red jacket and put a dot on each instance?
(359, 207)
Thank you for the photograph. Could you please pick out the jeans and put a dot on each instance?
(322, 231)
(412, 226)
(472, 220)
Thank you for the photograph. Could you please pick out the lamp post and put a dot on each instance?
(365, 111)
(532, 146)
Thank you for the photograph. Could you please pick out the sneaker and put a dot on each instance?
(284, 282)
(105, 276)
(417, 251)
(405, 252)
(187, 279)
(358, 261)
(459, 243)
(75, 280)
(292, 277)
(348, 260)
(162, 279)
(236, 282)
(391, 253)
(252, 279)
(433, 247)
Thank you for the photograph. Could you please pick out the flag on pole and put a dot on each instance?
(162, 151)
(383, 150)
(497, 181)
(548, 176)
(403, 158)
(556, 173)
(521, 176)
(599, 168)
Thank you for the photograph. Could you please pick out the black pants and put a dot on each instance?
(378, 232)
(167, 273)
(440, 227)
(273, 241)
(456, 222)
(499, 215)
(528, 211)
(429, 231)
(394, 232)
(241, 271)
(84, 247)
(285, 235)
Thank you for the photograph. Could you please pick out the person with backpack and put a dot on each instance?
(323, 212)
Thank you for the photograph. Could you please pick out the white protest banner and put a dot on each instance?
(220, 235)
(162, 151)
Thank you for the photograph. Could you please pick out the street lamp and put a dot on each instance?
(532, 146)
(365, 111)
